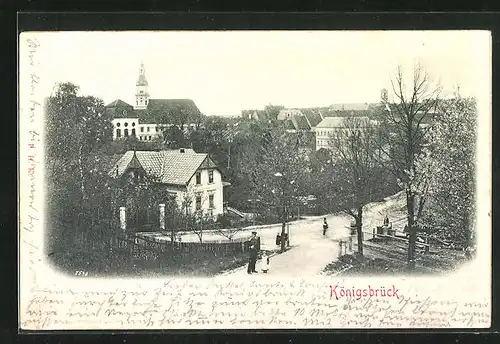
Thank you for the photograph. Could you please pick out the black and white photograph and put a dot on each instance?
(253, 159)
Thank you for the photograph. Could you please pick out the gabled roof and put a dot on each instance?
(108, 162)
(120, 109)
(336, 122)
(302, 123)
(350, 106)
(172, 104)
(167, 107)
(346, 113)
(118, 103)
(167, 167)
(313, 116)
(289, 125)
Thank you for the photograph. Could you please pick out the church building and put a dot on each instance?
(147, 118)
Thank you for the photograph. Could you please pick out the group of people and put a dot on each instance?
(253, 246)
(254, 253)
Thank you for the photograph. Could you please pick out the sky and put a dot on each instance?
(225, 72)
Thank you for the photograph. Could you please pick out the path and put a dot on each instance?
(311, 251)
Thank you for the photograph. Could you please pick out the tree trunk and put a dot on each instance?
(283, 226)
(359, 229)
(80, 168)
(410, 200)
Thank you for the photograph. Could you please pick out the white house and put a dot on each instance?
(192, 177)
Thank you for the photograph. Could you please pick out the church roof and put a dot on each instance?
(120, 109)
(118, 103)
(167, 104)
(158, 108)
(174, 167)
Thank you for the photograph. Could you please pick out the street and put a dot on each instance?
(310, 252)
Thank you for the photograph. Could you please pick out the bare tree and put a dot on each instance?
(358, 175)
(229, 233)
(407, 122)
(196, 221)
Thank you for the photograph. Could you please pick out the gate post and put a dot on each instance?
(123, 219)
(162, 217)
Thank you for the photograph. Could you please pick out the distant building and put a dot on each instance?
(144, 117)
(327, 129)
(193, 178)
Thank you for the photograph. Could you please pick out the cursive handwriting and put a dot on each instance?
(176, 304)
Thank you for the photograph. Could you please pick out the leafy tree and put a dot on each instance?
(273, 111)
(76, 128)
(174, 137)
(449, 163)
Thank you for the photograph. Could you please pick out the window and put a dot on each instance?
(211, 176)
(126, 124)
(125, 132)
(198, 178)
(133, 132)
(133, 124)
(141, 92)
(142, 129)
(147, 130)
(118, 124)
(118, 133)
(198, 202)
(211, 201)
(149, 138)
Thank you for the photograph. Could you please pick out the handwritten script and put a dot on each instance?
(31, 145)
(193, 304)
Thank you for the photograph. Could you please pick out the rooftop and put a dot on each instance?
(337, 122)
(175, 167)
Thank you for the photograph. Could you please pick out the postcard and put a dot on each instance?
(254, 180)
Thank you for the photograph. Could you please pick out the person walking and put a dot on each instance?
(253, 247)
(325, 226)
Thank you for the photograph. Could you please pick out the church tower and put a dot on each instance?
(141, 94)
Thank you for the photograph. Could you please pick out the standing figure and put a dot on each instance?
(386, 221)
(253, 253)
(325, 226)
(265, 263)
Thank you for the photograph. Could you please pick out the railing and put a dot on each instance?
(145, 249)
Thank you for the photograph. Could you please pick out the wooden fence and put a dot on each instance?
(146, 249)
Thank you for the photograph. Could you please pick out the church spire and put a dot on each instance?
(141, 94)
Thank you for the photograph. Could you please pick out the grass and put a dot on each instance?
(389, 259)
(195, 265)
